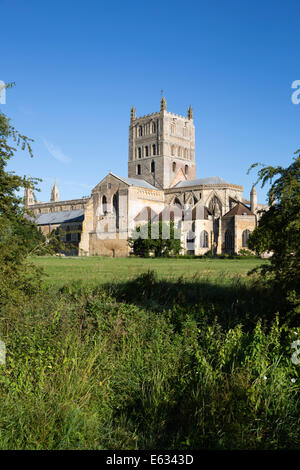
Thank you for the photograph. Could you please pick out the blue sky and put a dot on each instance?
(79, 67)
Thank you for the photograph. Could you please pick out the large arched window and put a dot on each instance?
(139, 152)
(140, 131)
(116, 208)
(245, 237)
(204, 239)
(152, 167)
(138, 170)
(104, 205)
(215, 207)
(228, 240)
(146, 151)
(153, 149)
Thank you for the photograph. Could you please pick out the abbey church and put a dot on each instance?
(210, 213)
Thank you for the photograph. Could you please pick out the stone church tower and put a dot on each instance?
(162, 146)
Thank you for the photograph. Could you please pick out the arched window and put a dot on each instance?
(138, 170)
(245, 237)
(204, 239)
(139, 152)
(174, 166)
(177, 203)
(152, 167)
(215, 207)
(140, 131)
(186, 169)
(104, 205)
(153, 127)
(173, 150)
(116, 208)
(153, 149)
(228, 240)
(146, 151)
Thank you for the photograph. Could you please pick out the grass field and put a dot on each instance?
(95, 270)
(150, 361)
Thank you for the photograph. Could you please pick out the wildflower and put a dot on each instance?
(265, 377)
(293, 380)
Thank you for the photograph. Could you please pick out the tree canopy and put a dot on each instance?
(278, 231)
(159, 238)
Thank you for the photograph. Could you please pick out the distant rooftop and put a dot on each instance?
(199, 181)
(60, 217)
(239, 209)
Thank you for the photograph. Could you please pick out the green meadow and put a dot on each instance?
(94, 270)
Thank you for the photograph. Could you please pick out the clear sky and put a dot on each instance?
(80, 66)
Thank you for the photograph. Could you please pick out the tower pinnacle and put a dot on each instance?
(163, 104)
(133, 113)
(54, 193)
(190, 113)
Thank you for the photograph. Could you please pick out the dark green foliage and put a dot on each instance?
(87, 371)
(159, 238)
(17, 234)
(278, 231)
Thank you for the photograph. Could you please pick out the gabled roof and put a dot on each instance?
(199, 181)
(239, 209)
(60, 217)
(139, 183)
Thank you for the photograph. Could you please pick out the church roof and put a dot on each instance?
(135, 182)
(199, 181)
(60, 217)
(239, 209)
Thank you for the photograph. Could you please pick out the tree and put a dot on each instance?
(17, 276)
(278, 231)
(159, 238)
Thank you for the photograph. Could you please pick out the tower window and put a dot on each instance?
(140, 131)
(153, 149)
(186, 169)
(140, 152)
(138, 170)
(153, 127)
(173, 150)
(152, 167)
(174, 166)
(147, 151)
(179, 151)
